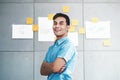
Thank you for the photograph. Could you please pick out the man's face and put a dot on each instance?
(60, 27)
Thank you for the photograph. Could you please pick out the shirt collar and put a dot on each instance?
(59, 41)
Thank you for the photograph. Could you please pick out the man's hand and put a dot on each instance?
(46, 68)
(57, 66)
(62, 69)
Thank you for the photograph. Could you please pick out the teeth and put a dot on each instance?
(57, 30)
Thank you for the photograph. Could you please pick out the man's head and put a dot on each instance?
(62, 15)
(61, 24)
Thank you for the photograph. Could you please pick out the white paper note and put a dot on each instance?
(73, 36)
(45, 32)
(22, 31)
(100, 29)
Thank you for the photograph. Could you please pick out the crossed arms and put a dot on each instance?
(55, 67)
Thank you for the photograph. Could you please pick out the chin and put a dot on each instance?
(57, 35)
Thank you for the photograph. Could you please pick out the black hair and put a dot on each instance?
(62, 15)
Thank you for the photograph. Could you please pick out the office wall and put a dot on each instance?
(20, 59)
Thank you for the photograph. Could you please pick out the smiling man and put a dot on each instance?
(60, 58)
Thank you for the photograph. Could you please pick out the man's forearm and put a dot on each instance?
(57, 66)
(46, 68)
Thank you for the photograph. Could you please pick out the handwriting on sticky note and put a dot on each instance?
(74, 22)
(81, 30)
(55, 38)
(35, 27)
(72, 29)
(65, 9)
(29, 20)
(50, 16)
(94, 20)
(106, 42)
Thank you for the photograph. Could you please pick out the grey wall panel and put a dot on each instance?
(39, 56)
(46, 1)
(13, 13)
(43, 9)
(16, 1)
(102, 65)
(77, 74)
(104, 12)
(102, 1)
(16, 66)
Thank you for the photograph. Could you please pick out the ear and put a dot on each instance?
(68, 26)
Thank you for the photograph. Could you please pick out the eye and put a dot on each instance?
(61, 22)
(54, 23)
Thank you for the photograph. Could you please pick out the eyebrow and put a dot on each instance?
(59, 21)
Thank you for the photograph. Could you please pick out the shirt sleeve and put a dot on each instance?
(66, 52)
(47, 55)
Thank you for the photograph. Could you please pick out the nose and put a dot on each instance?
(57, 25)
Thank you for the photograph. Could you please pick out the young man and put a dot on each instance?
(60, 59)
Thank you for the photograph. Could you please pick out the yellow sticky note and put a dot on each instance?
(81, 30)
(74, 22)
(72, 29)
(50, 16)
(106, 42)
(35, 27)
(29, 20)
(94, 20)
(55, 38)
(65, 9)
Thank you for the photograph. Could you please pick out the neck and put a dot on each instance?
(59, 37)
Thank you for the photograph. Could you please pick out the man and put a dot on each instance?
(60, 59)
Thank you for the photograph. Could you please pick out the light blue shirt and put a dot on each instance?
(62, 48)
